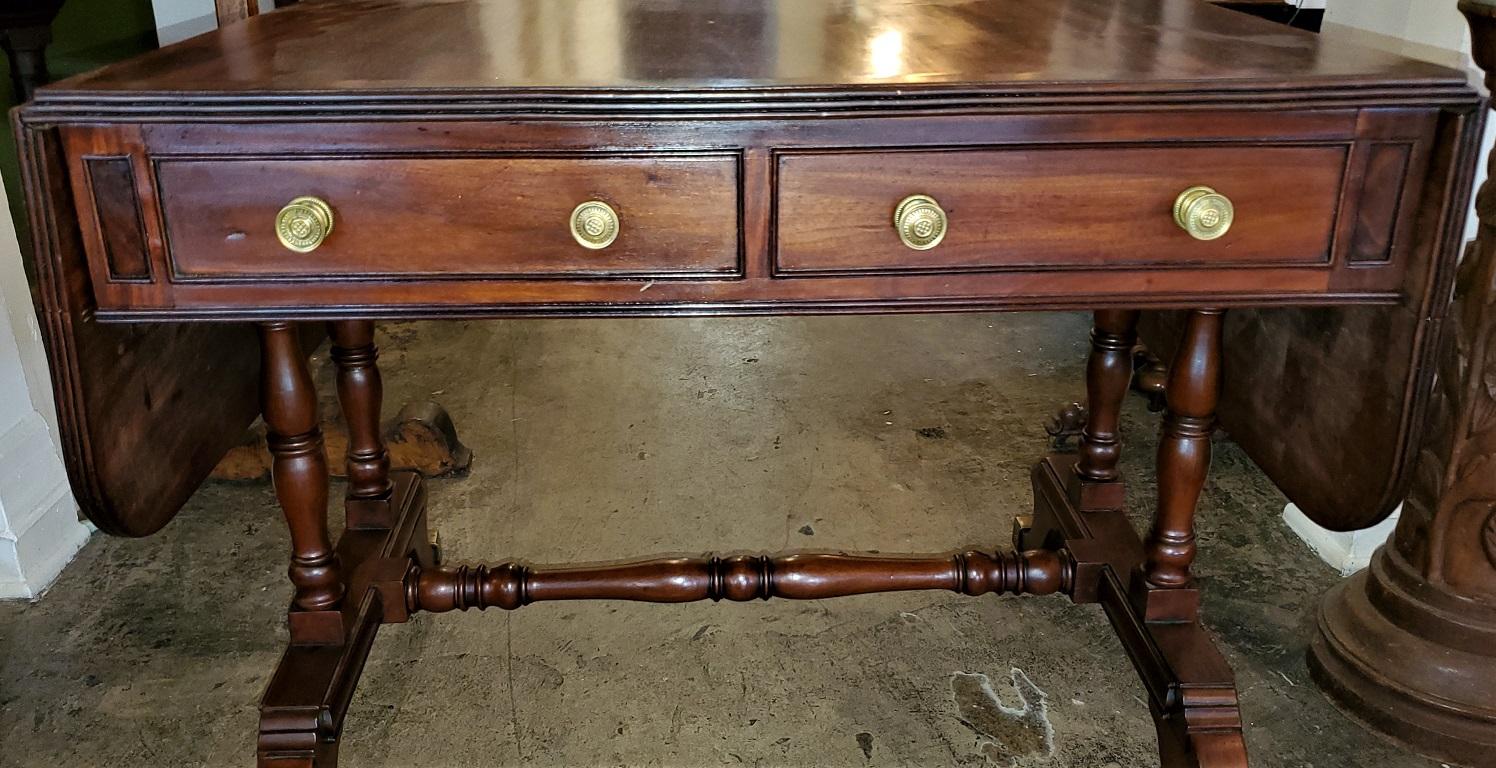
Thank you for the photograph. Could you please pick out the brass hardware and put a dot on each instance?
(303, 224)
(594, 224)
(1204, 213)
(920, 222)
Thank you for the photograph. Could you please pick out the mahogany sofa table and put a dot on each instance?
(671, 157)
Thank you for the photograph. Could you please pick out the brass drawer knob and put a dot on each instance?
(920, 222)
(303, 224)
(1204, 213)
(594, 224)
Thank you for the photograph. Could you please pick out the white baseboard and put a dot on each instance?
(39, 527)
(1346, 552)
(30, 562)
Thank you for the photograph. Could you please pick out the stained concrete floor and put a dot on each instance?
(600, 440)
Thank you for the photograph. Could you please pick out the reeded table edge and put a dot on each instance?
(61, 104)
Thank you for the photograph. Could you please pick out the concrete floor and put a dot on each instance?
(600, 440)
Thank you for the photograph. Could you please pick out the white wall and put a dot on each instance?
(39, 528)
(1433, 30)
(1432, 24)
(181, 19)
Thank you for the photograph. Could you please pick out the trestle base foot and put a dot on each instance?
(302, 711)
(1191, 689)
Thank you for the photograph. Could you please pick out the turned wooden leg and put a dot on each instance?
(299, 468)
(1108, 374)
(1184, 450)
(361, 391)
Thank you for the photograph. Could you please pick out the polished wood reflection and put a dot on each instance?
(618, 46)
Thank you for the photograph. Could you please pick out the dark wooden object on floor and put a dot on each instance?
(1409, 644)
(421, 438)
(271, 173)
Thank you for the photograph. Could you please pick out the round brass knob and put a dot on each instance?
(1204, 213)
(594, 224)
(920, 222)
(303, 224)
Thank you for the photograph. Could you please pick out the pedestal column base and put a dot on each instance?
(1411, 661)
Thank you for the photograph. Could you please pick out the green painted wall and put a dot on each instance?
(89, 33)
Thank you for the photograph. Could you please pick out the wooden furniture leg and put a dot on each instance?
(299, 470)
(1073, 544)
(1108, 373)
(390, 571)
(1184, 451)
(359, 585)
(361, 392)
(1191, 691)
(1097, 425)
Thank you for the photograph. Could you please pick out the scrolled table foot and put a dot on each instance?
(1065, 427)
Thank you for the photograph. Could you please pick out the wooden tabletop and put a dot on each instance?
(608, 47)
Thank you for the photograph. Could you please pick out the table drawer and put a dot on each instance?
(452, 216)
(1055, 207)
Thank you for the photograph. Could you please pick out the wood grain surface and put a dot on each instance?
(453, 216)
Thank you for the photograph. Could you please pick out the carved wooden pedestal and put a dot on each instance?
(1409, 644)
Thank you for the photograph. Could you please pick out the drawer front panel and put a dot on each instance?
(452, 216)
(1055, 208)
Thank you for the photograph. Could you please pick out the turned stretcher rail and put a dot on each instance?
(738, 578)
